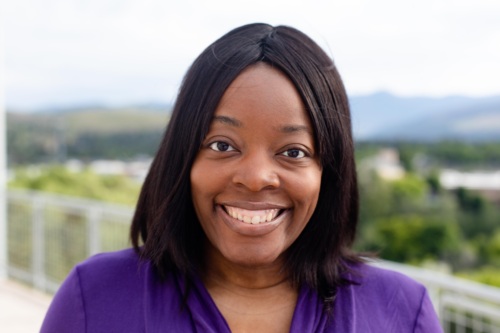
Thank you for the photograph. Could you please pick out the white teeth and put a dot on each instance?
(252, 216)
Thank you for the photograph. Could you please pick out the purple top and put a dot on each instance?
(116, 292)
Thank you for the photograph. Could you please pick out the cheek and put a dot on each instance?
(306, 191)
(195, 178)
(198, 186)
(201, 176)
(309, 188)
(206, 182)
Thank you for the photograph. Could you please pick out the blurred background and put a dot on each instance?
(87, 88)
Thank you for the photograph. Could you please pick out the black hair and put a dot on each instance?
(165, 220)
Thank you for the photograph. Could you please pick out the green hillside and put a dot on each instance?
(84, 134)
(113, 121)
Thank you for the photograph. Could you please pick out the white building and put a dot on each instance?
(485, 182)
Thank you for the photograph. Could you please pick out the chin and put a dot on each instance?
(248, 258)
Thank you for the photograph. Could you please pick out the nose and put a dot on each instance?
(256, 171)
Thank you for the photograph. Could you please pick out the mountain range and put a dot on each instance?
(376, 117)
(385, 117)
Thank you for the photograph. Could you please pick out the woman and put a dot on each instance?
(247, 216)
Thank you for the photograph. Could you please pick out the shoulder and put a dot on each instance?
(108, 273)
(373, 276)
(113, 292)
(93, 288)
(110, 264)
(101, 294)
(388, 300)
(126, 256)
(113, 277)
(386, 286)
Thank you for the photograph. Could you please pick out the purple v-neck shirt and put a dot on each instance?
(116, 292)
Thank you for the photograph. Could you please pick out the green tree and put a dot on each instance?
(415, 239)
(85, 184)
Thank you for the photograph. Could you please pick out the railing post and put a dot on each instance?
(435, 296)
(38, 250)
(4, 254)
(4, 239)
(93, 233)
(4, 257)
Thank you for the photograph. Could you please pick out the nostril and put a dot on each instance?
(257, 181)
(257, 171)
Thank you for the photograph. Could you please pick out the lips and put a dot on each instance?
(252, 216)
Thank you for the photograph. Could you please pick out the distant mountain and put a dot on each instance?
(95, 119)
(58, 109)
(383, 116)
(379, 116)
(473, 123)
(92, 133)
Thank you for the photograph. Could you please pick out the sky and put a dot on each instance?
(117, 52)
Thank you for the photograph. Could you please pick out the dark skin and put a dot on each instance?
(255, 185)
(252, 300)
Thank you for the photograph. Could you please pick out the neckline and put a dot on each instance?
(308, 314)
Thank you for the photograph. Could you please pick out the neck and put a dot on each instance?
(251, 278)
(252, 298)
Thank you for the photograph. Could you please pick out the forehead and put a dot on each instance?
(264, 92)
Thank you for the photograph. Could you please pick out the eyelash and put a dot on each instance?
(301, 152)
(216, 146)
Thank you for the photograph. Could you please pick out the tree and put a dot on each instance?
(86, 184)
(415, 239)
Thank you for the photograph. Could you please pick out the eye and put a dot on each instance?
(294, 153)
(221, 146)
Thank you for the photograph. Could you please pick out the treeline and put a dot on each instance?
(414, 220)
(25, 149)
(127, 133)
(83, 134)
(427, 155)
(57, 179)
(408, 220)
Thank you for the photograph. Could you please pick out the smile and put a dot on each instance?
(252, 216)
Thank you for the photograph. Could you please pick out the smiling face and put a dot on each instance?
(256, 179)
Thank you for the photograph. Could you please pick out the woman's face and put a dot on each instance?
(256, 179)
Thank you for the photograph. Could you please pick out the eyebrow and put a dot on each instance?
(228, 120)
(284, 129)
(295, 128)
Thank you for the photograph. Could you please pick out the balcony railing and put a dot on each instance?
(48, 234)
(462, 305)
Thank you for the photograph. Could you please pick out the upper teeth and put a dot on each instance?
(252, 216)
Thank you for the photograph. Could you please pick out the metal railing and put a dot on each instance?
(463, 306)
(48, 234)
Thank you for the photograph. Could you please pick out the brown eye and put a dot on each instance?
(221, 146)
(294, 153)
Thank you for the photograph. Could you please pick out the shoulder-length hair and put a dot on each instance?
(165, 220)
